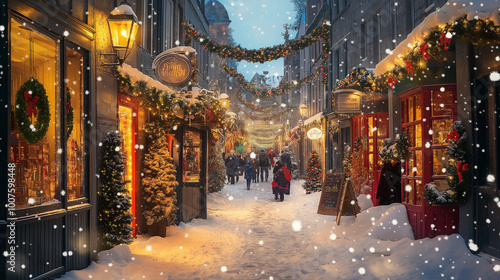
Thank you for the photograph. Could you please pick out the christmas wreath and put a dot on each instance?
(456, 170)
(32, 101)
(70, 116)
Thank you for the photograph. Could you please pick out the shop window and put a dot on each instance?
(74, 105)
(439, 159)
(442, 103)
(191, 156)
(441, 128)
(38, 165)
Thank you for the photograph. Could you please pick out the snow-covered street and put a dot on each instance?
(249, 235)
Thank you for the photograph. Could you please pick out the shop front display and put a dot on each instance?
(372, 129)
(48, 105)
(427, 115)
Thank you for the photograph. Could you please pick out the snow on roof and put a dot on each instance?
(136, 76)
(316, 117)
(452, 10)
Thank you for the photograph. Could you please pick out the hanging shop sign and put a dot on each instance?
(347, 101)
(314, 133)
(172, 69)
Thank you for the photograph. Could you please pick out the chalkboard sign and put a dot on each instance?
(330, 194)
(348, 204)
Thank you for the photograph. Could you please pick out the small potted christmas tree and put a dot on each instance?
(314, 177)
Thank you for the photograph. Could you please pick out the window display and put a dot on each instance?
(74, 123)
(38, 161)
(191, 156)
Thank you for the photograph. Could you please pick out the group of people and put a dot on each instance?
(251, 167)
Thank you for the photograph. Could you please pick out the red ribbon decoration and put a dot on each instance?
(461, 167)
(32, 100)
(453, 135)
(423, 49)
(409, 67)
(391, 81)
(444, 40)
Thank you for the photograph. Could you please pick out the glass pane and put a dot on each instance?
(191, 157)
(442, 103)
(34, 55)
(380, 146)
(370, 144)
(410, 110)
(127, 131)
(440, 129)
(382, 127)
(411, 164)
(411, 135)
(439, 159)
(418, 162)
(370, 164)
(370, 126)
(418, 107)
(74, 110)
(418, 135)
(410, 188)
(404, 112)
(419, 190)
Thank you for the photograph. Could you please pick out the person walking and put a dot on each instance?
(247, 168)
(255, 170)
(286, 160)
(281, 182)
(231, 168)
(264, 163)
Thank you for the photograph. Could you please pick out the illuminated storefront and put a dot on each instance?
(427, 115)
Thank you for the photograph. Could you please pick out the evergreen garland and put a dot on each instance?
(114, 201)
(314, 177)
(402, 145)
(456, 170)
(347, 162)
(159, 181)
(387, 152)
(216, 166)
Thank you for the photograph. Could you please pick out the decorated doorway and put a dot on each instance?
(128, 126)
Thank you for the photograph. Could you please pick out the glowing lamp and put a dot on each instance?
(123, 25)
(224, 99)
(303, 109)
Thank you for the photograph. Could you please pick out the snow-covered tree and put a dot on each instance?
(159, 182)
(216, 167)
(114, 201)
(314, 176)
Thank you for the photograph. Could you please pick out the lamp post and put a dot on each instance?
(123, 25)
(303, 112)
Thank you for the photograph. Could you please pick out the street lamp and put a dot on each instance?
(123, 25)
(224, 99)
(303, 109)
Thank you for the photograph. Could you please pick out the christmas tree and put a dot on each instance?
(347, 162)
(216, 167)
(114, 202)
(359, 176)
(314, 178)
(159, 182)
(402, 144)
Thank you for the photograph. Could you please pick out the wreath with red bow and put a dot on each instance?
(32, 102)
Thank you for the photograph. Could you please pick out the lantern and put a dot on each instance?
(123, 25)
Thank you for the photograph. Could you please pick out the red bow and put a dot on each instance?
(453, 135)
(409, 67)
(68, 106)
(32, 100)
(423, 50)
(391, 81)
(445, 40)
(461, 167)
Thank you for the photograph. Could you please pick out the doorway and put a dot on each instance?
(128, 127)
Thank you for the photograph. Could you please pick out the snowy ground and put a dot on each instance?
(248, 235)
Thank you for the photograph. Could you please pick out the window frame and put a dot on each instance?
(63, 42)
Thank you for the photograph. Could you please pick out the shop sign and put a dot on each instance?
(172, 69)
(347, 101)
(314, 133)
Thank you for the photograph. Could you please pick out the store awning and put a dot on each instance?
(316, 117)
(137, 76)
(452, 10)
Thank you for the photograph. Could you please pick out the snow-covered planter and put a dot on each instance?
(436, 197)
